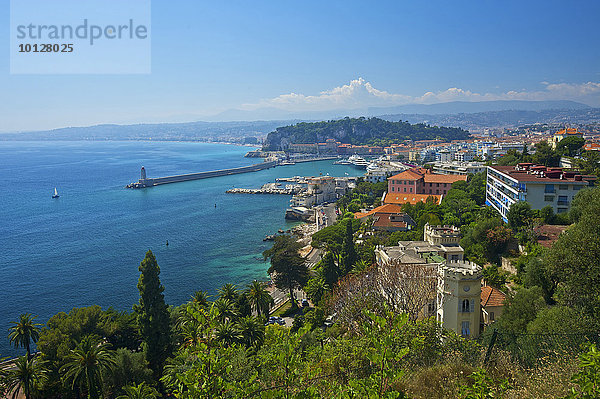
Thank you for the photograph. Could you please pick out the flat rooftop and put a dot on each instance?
(542, 174)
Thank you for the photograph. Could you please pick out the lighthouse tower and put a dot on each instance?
(143, 174)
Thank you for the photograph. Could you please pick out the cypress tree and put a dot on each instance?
(153, 315)
(331, 272)
(348, 250)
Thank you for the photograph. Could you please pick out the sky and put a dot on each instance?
(208, 57)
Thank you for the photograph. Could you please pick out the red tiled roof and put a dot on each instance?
(434, 178)
(403, 198)
(384, 221)
(546, 235)
(386, 208)
(410, 174)
(491, 296)
(568, 131)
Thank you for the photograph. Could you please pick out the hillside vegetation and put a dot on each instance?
(359, 131)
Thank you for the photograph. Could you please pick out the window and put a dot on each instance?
(465, 306)
(465, 330)
(404, 189)
(437, 191)
(393, 188)
(563, 200)
(549, 188)
(444, 184)
(577, 188)
(548, 198)
(491, 316)
(563, 187)
(561, 210)
(411, 189)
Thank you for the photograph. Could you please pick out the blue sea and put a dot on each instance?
(85, 247)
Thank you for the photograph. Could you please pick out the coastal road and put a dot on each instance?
(313, 257)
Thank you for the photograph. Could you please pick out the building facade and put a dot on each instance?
(422, 181)
(459, 297)
(540, 186)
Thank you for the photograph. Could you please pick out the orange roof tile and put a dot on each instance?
(491, 296)
(410, 174)
(568, 131)
(386, 208)
(403, 198)
(434, 178)
(384, 221)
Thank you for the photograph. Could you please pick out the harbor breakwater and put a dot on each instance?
(150, 182)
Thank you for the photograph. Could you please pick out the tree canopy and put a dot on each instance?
(359, 131)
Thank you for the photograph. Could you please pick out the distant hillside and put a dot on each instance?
(358, 131)
(202, 131)
(466, 107)
(452, 107)
(499, 119)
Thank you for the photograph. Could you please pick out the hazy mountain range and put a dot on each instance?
(454, 107)
(258, 123)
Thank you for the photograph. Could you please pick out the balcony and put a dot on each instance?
(562, 203)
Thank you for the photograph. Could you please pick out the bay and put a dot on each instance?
(85, 247)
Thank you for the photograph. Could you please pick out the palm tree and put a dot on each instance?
(316, 289)
(85, 365)
(228, 291)
(25, 377)
(260, 299)
(252, 330)
(201, 297)
(24, 332)
(227, 333)
(225, 308)
(192, 332)
(140, 391)
(360, 266)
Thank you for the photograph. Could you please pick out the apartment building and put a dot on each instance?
(540, 186)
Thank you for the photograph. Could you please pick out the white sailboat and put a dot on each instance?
(55, 195)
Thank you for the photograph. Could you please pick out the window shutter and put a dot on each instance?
(472, 308)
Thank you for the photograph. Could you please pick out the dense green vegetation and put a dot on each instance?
(359, 131)
(545, 155)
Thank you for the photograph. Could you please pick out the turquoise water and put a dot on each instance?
(85, 247)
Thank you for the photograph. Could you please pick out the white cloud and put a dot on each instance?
(360, 94)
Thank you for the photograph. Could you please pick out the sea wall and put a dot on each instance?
(149, 182)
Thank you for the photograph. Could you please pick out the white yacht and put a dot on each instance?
(359, 162)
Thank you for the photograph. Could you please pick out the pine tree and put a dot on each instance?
(348, 250)
(287, 266)
(153, 315)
